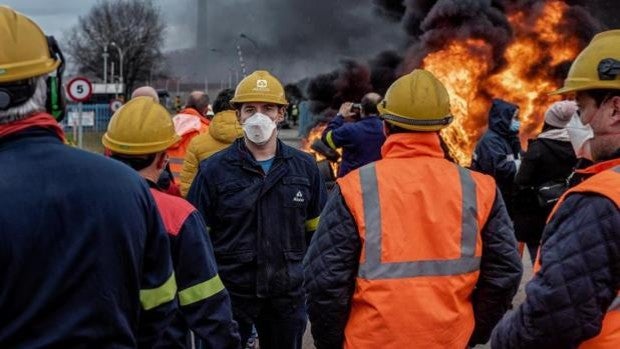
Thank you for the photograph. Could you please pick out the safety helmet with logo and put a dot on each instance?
(259, 86)
(26, 54)
(140, 127)
(597, 66)
(417, 101)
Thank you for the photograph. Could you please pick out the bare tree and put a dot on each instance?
(135, 26)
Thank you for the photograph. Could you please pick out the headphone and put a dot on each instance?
(16, 93)
(55, 102)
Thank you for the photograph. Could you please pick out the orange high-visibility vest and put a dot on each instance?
(420, 222)
(188, 124)
(607, 184)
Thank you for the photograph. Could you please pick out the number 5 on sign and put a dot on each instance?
(79, 89)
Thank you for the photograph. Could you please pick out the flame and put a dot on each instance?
(314, 134)
(463, 66)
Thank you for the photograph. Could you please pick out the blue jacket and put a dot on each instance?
(260, 224)
(568, 298)
(82, 247)
(360, 141)
(204, 303)
(496, 152)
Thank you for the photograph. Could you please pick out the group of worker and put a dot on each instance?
(409, 251)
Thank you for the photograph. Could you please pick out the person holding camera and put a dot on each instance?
(358, 130)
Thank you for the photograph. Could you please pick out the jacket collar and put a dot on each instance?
(238, 152)
(600, 167)
(415, 144)
(40, 120)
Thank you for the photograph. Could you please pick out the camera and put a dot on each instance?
(356, 108)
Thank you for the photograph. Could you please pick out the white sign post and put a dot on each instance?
(79, 89)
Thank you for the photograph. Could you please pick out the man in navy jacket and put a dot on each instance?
(360, 140)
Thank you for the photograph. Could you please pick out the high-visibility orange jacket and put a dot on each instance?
(424, 225)
(607, 184)
(573, 301)
(188, 124)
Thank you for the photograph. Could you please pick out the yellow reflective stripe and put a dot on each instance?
(154, 297)
(312, 224)
(330, 141)
(201, 291)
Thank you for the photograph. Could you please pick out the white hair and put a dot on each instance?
(35, 104)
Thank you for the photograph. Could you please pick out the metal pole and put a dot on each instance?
(255, 44)
(120, 57)
(80, 128)
(112, 74)
(229, 78)
(105, 64)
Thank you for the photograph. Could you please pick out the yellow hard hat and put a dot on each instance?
(25, 52)
(597, 66)
(259, 86)
(140, 127)
(417, 101)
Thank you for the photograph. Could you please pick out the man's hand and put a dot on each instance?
(345, 111)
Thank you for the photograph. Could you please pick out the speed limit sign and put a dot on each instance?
(79, 89)
(115, 104)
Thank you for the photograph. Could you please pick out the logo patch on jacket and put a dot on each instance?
(299, 197)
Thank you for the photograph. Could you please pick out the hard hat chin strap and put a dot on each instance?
(419, 122)
(608, 69)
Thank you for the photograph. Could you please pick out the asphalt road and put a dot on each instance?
(289, 136)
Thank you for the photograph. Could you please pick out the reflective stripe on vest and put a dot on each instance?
(615, 305)
(373, 268)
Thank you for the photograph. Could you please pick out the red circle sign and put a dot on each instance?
(79, 89)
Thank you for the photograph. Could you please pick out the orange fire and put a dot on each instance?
(313, 135)
(526, 79)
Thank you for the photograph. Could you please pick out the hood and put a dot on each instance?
(500, 117)
(224, 127)
(188, 121)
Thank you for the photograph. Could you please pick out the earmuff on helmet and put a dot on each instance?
(16, 93)
(56, 102)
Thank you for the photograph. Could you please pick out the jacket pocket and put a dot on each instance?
(296, 191)
(238, 271)
(294, 268)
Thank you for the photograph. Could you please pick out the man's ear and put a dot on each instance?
(161, 160)
(615, 114)
(281, 113)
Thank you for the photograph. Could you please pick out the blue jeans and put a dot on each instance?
(280, 322)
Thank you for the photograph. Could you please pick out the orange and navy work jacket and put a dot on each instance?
(420, 220)
(204, 302)
(606, 182)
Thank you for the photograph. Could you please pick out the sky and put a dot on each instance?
(296, 38)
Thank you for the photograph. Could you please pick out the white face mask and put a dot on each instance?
(258, 128)
(580, 136)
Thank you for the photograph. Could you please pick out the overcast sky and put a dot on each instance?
(59, 16)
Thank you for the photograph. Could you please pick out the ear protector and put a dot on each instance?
(16, 93)
(56, 102)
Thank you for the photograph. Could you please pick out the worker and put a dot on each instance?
(412, 251)
(261, 199)
(573, 301)
(138, 135)
(85, 257)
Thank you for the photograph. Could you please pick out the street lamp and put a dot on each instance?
(105, 63)
(120, 55)
(255, 44)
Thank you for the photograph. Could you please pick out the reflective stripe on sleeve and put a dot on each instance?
(154, 297)
(330, 140)
(201, 291)
(312, 224)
